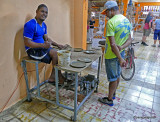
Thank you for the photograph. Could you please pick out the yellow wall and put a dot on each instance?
(66, 25)
(80, 23)
(85, 17)
(125, 7)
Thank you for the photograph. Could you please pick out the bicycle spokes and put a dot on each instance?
(129, 69)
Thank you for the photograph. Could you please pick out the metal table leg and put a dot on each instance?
(37, 76)
(98, 73)
(23, 64)
(57, 91)
(75, 97)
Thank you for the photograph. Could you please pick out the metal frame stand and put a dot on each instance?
(76, 108)
(30, 94)
(29, 91)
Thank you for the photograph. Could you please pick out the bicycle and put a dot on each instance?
(128, 70)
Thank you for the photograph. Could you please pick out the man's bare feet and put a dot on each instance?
(61, 79)
(80, 97)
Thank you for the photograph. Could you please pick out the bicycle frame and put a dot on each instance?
(130, 65)
(131, 50)
(130, 55)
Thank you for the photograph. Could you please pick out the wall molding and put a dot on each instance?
(143, 1)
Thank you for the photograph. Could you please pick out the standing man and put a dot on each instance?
(117, 38)
(37, 42)
(91, 27)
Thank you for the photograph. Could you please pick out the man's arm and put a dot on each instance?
(150, 24)
(46, 38)
(32, 44)
(153, 25)
(126, 44)
(115, 50)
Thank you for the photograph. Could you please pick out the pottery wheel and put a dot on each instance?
(86, 60)
(77, 64)
(78, 49)
(89, 52)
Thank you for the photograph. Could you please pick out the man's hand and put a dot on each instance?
(122, 62)
(119, 47)
(46, 44)
(60, 46)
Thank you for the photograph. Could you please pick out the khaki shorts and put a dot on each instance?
(146, 32)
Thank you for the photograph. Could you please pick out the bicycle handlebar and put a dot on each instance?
(134, 43)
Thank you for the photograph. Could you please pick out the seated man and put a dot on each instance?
(37, 43)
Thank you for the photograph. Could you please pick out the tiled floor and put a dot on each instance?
(137, 100)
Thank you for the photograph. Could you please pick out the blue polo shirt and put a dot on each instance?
(34, 31)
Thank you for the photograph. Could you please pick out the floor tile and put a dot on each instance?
(119, 94)
(47, 114)
(139, 78)
(131, 98)
(128, 104)
(147, 91)
(125, 113)
(27, 116)
(142, 72)
(106, 114)
(38, 108)
(153, 73)
(150, 78)
(149, 85)
(18, 110)
(84, 117)
(90, 111)
(40, 119)
(145, 103)
(14, 120)
(142, 114)
(138, 81)
(157, 94)
(146, 97)
(133, 92)
(124, 84)
(135, 87)
(156, 106)
(157, 88)
(61, 119)
(6, 117)
(157, 100)
(155, 116)
(122, 89)
(95, 119)
(158, 81)
(94, 105)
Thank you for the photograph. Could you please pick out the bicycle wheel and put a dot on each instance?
(128, 71)
(132, 52)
